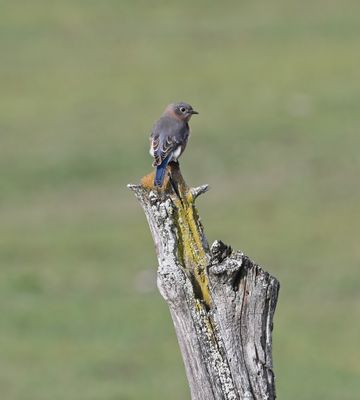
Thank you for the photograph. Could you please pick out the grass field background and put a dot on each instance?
(277, 85)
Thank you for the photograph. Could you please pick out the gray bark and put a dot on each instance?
(221, 303)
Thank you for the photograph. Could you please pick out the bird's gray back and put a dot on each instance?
(168, 126)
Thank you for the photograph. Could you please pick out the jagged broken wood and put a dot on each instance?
(221, 303)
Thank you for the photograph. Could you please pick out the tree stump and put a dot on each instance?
(221, 303)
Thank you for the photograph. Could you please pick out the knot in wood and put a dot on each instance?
(219, 251)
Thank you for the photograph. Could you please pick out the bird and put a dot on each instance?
(169, 137)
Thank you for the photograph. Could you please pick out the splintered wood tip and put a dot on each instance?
(147, 181)
(172, 169)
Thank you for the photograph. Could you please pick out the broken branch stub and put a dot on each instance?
(221, 303)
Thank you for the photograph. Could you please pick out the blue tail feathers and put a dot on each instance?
(160, 172)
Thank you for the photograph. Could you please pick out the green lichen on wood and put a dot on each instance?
(190, 238)
(190, 245)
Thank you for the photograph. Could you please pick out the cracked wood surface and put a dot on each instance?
(221, 303)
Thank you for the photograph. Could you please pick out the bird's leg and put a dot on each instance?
(175, 188)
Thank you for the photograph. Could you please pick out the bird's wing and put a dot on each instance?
(165, 138)
(162, 147)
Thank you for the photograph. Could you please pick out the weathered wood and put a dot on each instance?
(221, 303)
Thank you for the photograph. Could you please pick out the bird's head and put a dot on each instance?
(183, 111)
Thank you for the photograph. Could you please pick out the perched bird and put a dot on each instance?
(169, 137)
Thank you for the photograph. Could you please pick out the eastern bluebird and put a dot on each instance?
(169, 137)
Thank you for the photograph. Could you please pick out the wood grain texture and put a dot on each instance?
(221, 303)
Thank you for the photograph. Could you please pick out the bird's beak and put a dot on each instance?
(194, 112)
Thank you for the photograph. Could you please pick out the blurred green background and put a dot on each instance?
(277, 85)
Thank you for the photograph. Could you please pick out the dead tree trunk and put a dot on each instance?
(221, 303)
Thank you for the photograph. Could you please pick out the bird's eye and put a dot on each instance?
(182, 109)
